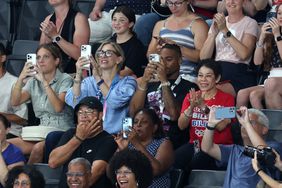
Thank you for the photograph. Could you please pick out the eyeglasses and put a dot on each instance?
(125, 173)
(176, 4)
(107, 53)
(24, 183)
(86, 112)
(75, 174)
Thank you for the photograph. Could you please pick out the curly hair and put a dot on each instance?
(211, 64)
(35, 177)
(137, 162)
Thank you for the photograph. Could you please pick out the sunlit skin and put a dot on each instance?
(206, 80)
(170, 61)
(108, 62)
(234, 5)
(178, 10)
(121, 24)
(78, 181)
(125, 178)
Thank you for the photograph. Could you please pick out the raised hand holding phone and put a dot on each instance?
(85, 51)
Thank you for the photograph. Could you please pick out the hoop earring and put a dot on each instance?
(116, 185)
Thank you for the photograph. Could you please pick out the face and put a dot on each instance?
(120, 23)
(77, 176)
(22, 181)
(57, 2)
(86, 114)
(234, 5)
(171, 61)
(260, 129)
(206, 79)
(279, 15)
(144, 126)
(3, 132)
(126, 178)
(108, 58)
(46, 61)
(177, 6)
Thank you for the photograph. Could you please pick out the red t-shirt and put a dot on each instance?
(199, 120)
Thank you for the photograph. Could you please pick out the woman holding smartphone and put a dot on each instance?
(146, 136)
(45, 85)
(111, 89)
(194, 116)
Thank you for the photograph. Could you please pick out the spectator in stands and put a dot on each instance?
(79, 173)
(269, 54)
(185, 29)
(205, 8)
(46, 87)
(87, 140)
(112, 90)
(233, 40)
(10, 155)
(123, 20)
(25, 176)
(100, 19)
(68, 29)
(254, 126)
(130, 169)
(147, 137)
(165, 95)
(264, 176)
(194, 115)
(16, 115)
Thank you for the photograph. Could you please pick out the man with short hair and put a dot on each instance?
(162, 88)
(254, 126)
(17, 115)
(79, 173)
(87, 140)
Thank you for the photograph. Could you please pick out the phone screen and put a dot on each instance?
(126, 126)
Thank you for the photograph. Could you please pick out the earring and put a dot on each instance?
(137, 184)
(116, 184)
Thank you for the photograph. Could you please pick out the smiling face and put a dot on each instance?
(121, 24)
(108, 57)
(126, 178)
(177, 7)
(234, 6)
(46, 61)
(206, 79)
(78, 176)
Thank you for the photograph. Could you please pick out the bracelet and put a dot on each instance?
(165, 84)
(258, 171)
(187, 115)
(259, 45)
(210, 128)
(141, 88)
(79, 139)
(77, 81)
(100, 82)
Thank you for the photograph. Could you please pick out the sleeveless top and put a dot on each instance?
(162, 181)
(183, 37)
(67, 31)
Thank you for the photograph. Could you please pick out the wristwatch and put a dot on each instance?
(57, 38)
(227, 34)
(279, 38)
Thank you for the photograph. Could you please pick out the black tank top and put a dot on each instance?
(68, 63)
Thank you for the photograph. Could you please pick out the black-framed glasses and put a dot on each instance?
(107, 53)
(176, 4)
(75, 174)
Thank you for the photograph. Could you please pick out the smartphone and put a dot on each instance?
(85, 51)
(31, 58)
(225, 112)
(154, 58)
(126, 126)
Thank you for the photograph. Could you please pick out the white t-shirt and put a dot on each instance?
(6, 84)
(224, 51)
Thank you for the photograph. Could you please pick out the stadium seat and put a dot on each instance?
(275, 118)
(206, 179)
(84, 6)
(33, 12)
(176, 176)
(51, 175)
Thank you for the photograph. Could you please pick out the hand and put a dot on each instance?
(80, 63)
(85, 130)
(195, 98)
(40, 76)
(214, 28)
(27, 71)
(96, 69)
(95, 14)
(243, 117)
(278, 162)
(161, 71)
(133, 137)
(121, 142)
(220, 21)
(265, 30)
(274, 24)
(49, 29)
(212, 121)
(255, 162)
(149, 72)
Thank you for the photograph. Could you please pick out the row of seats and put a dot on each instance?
(20, 19)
